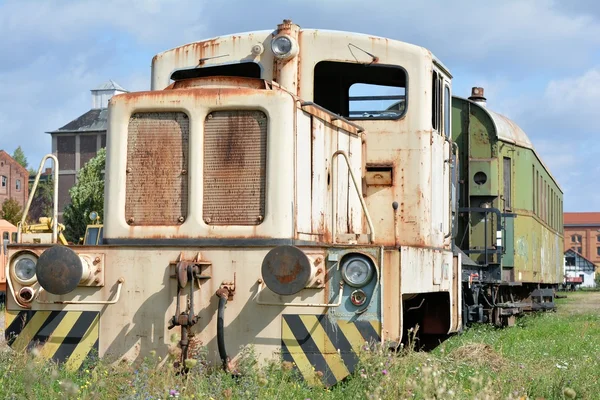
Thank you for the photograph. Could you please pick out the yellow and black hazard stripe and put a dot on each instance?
(64, 336)
(325, 350)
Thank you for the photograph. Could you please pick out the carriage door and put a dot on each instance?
(508, 258)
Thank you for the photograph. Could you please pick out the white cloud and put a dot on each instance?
(576, 97)
(527, 55)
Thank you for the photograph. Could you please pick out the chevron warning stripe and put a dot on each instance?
(63, 336)
(325, 350)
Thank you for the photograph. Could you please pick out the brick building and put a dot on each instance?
(78, 141)
(582, 234)
(14, 180)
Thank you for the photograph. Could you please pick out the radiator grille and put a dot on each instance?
(235, 157)
(157, 163)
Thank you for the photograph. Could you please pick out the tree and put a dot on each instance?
(11, 211)
(87, 195)
(41, 205)
(19, 156)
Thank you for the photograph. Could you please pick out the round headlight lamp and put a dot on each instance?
(357, 270)
(284, 47)
(24, 268)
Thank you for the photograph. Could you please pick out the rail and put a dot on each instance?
(54, 195)
(261, 286)
(453, 156)
(358, 192)
(100, 302)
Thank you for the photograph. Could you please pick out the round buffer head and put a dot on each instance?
(286, 270)
(59, 270)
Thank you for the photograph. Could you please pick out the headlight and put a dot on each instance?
(284, 47)
(25, 268)
(357, 270)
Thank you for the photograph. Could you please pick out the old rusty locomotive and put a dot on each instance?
(293, 190)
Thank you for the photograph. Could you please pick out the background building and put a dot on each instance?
(14, 180)
(579, 271)
(582, 234)
(78, 141)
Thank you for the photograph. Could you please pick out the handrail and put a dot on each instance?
(358, 192)
(453, 152)
(55, 199)
(261, 286)
(113, 301)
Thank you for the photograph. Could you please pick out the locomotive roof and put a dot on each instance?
(234, 48)
(508, 131)
(324, 32)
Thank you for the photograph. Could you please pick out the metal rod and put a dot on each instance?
(261, 286)
(358, 192)
(386, 97)
(114, 301)
(55, 199)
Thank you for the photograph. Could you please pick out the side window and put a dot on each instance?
(361, 92)
(436, 99)
(18, 185)
(3, 181)
(447, 110)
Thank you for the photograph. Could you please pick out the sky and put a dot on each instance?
(538, 60)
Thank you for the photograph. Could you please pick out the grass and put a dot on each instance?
(546, 356)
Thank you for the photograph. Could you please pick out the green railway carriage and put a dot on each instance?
(509, 220)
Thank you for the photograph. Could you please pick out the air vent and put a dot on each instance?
(235, 158)
(157, 164)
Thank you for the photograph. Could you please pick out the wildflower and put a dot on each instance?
(385, 372)
(173, 393)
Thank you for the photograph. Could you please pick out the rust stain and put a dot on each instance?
(235, 168)
(158, 147)
(332, 120)
(198, 50)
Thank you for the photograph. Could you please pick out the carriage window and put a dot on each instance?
(359, 91)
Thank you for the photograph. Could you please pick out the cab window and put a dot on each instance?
(359, 91)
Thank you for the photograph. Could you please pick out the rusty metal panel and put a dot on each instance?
(157, 163)
(235, 158)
